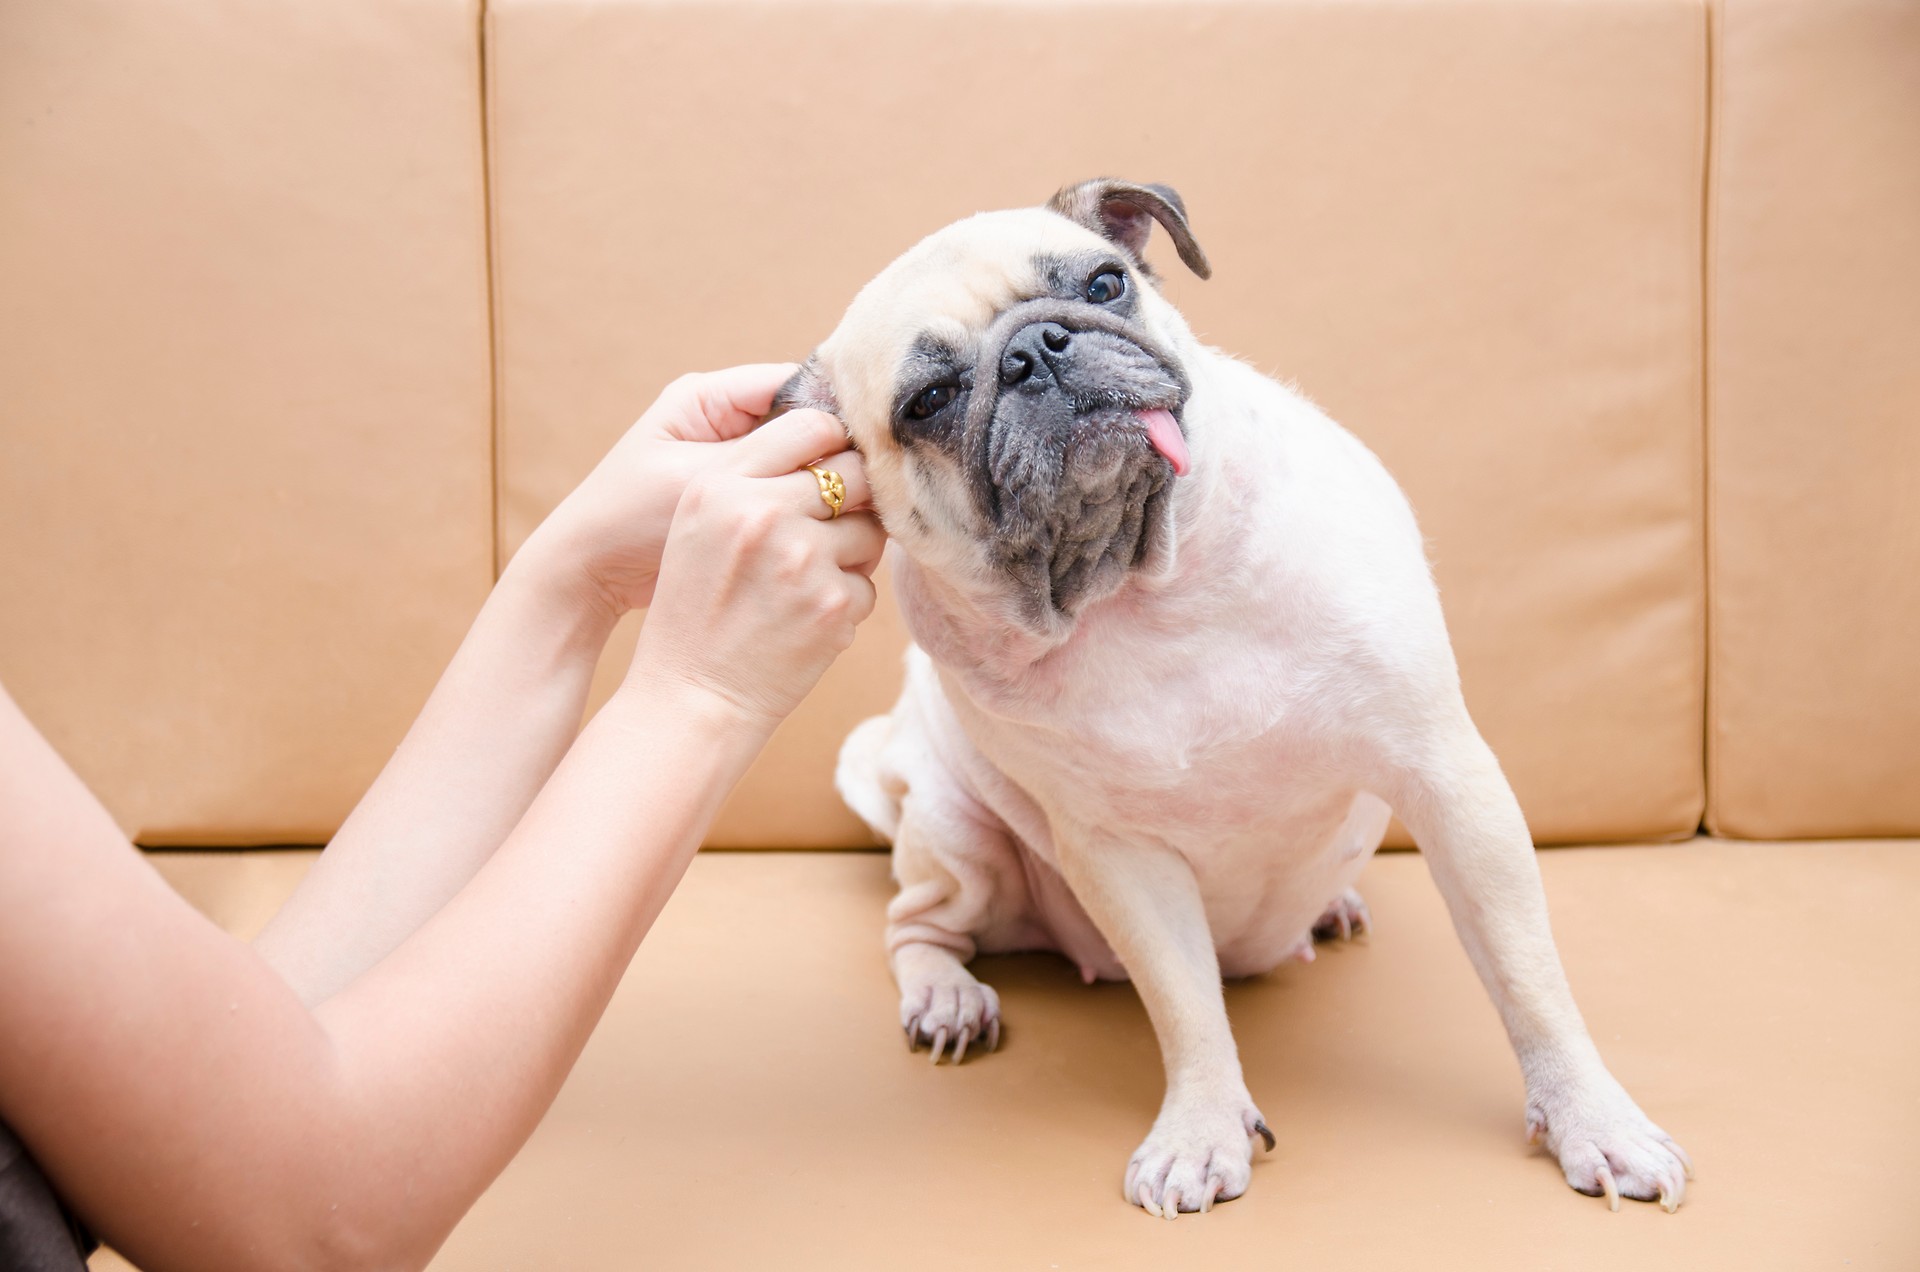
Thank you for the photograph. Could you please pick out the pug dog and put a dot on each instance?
(1177, 658)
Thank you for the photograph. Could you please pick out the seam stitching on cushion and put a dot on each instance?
(495, 362)
(1715, 15)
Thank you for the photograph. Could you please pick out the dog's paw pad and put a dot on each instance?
(1193, 1159)
(951, 1017)
(1345, 919)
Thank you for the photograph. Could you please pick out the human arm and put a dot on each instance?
(199, 1115)
(511, 700)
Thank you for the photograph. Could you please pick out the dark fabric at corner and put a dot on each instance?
(37, 1234)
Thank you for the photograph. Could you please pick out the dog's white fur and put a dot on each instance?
(1178, 783)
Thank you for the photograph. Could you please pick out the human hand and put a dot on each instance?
(759, 587)
(606, 537)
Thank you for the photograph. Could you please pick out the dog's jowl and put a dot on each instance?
(1177, 655)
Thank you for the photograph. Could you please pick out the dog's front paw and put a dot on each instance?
(1196, 1154)
(1607, 1147)
(947, 1005)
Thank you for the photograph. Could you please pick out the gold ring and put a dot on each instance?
(833, 491)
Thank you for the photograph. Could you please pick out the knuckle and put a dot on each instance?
(758, 524)
(698, 494)
(796, 559)
(832, 606)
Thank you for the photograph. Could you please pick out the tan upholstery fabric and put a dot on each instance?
(244, 401)
(1814, 418)
(748, 1104)
(1470, 229)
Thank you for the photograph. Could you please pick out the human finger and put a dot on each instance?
(858, 540)
(715, 406)
(853, 490)
(781, 446)
(861, 597)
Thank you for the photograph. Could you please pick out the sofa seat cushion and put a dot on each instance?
(748, 1102)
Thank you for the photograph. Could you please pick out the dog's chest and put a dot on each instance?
(1197, 730)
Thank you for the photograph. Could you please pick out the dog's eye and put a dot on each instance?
(1106, 287)
(931, 401)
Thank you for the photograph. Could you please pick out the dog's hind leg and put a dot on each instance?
(960, 881)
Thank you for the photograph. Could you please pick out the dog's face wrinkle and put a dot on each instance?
(1152, 375)
(1064, 479)
(1109, 535)
(1069, 526)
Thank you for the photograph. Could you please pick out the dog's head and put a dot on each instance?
(1015, 383)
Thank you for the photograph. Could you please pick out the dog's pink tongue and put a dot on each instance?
(1163, 434)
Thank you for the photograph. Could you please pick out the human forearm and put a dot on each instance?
(495, 726)
(516, 969)
(258, 1125)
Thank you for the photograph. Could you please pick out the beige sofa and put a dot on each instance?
(309, 313)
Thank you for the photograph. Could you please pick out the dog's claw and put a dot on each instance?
(1195, 1157)
(957, 1009)
(1142, 1195)
(1618, 1155)
(1346, 917)
(1260, 1129)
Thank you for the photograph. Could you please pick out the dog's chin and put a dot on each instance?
(1072, 532)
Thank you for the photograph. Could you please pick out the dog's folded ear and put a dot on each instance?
(1125, 213)
(808, 390)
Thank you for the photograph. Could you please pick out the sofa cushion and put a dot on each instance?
(245, 474)
(1471, 229)
(748, 1103)
(1814, 418)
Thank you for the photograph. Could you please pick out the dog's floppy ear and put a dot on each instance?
(808, 389)
(1125, 213)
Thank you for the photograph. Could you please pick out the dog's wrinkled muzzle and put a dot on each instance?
(1073, 444)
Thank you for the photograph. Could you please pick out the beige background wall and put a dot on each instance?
(1814, 421)
(1471, 230)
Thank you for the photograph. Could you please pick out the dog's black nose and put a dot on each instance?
(1028, 351)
